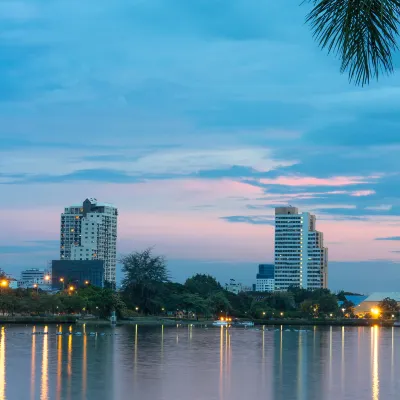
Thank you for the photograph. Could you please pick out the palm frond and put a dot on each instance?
(362, 33)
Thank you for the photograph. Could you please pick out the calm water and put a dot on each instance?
(155, 363)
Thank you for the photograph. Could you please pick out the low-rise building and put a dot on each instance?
(77, 273)
(372, 302)
(265, 279)
(35, 277)
(236, 287)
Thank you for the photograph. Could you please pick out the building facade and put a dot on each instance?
(31, 277)
(301, 260)
(234, 287)
(89, 232)
(265, 279)
(77, 273)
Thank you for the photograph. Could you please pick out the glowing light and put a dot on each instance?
(222, 319)
(61, 279)
(47, 278)
(71, 288)
(86, 282)
(375, 311)
(4, 283)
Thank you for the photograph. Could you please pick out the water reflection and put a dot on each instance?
(33, 363)
(84, 367)
(59, 365)
(3, 364)
(375, 362)
(69, 365)
(221, 364)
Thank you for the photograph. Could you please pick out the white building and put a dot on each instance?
(301, 259)
(35, 277)
(89, 232)
(265, 280)
(236, 287)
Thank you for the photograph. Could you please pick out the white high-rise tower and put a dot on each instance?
(89, 232)
(301, 260)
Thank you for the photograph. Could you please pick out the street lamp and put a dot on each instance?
(35, 286)
(47, 278)
(281, 314)
(4, 283)
(264, 313)
(86, 282)
(137, 308)
(62, 281)
(71, 289)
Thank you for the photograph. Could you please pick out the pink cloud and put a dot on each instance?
(360, 193)
(312, 181)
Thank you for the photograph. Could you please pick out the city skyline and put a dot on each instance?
(196, 131)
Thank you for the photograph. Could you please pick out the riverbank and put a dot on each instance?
(32, 320)
(158, 321)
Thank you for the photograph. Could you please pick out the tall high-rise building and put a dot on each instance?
(89, 232)
(301, 260)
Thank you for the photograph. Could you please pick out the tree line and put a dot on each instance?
(147, 289)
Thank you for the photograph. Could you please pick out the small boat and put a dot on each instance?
(78, 333)
(220, 323)
(243, 323)
(92, 333)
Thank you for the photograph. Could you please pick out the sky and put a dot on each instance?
(196, 119)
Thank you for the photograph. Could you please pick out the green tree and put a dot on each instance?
(388, 305)
(204, 285)
(145, 275)
(328, 303)
(218, 303)
(362, 33)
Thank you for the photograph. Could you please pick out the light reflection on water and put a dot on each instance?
(330, 363)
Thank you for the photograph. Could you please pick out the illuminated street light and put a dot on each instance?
(4, 283)
(86, 282)
(137, 308)
(47, 278)
(71, 288)
(281, 314)
(263, 312)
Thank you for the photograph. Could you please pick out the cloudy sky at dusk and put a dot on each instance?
(195, 118)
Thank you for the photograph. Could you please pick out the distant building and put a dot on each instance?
(265, 280)
(35, 276)
(88, 231)
(373, 300)
(234, 287)
(77, 272)
(301, 260)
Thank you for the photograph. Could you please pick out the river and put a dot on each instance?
(197, 363)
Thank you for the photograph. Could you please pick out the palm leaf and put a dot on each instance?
(362, 33)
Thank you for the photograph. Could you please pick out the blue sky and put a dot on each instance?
(195, 119)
